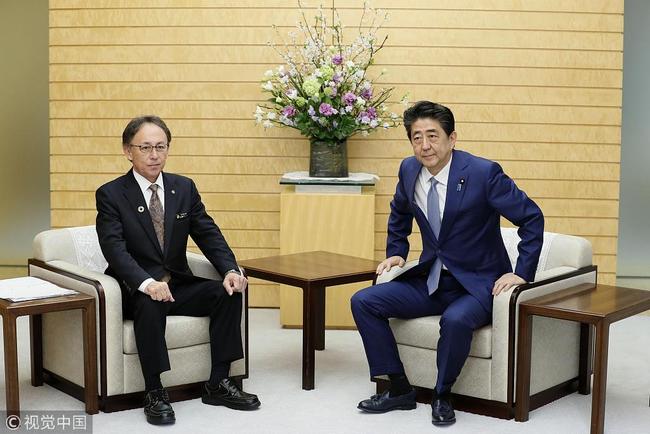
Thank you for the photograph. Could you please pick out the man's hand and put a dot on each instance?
(233, 282)
(505, 282)
(159, 291)
(386, 264)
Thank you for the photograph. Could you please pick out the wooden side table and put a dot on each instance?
(313, 272)
(35, 308)
(596, 305)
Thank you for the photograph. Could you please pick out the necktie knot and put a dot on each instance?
(154, 188)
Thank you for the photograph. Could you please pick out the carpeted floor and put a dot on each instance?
(342, 380)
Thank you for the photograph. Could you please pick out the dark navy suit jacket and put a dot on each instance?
(470, 243)
(128, 239)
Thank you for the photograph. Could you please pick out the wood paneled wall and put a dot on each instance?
(535, 85)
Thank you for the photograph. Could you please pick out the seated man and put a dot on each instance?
(457, 200)
(143, 221)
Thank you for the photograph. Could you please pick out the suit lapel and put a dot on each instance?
(419, 214)
(456, 187)
(171, 206)
(140, 207)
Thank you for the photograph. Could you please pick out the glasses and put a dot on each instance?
(147, 149)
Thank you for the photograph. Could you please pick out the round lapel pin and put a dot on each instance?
(140, 208)
(173, 191)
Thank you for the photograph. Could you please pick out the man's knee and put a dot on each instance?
(145, 307)
(360, 299)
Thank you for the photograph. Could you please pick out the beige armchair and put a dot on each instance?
(486, 383)
(72, 258)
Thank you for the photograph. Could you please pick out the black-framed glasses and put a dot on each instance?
(147, 149)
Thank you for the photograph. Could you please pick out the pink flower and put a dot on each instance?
(337, 59)
(367, 93)
(327, 110)
(289, 111)
(349, 98)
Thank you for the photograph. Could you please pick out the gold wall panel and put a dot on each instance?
(338, 223)
(535, 85)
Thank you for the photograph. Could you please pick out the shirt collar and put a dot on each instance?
(144, 182)
(442, 177)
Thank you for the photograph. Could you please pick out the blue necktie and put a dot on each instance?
(433, 215)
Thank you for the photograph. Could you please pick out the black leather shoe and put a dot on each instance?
(230, 395)
(442, 413)
(382, 403)
(158, 409)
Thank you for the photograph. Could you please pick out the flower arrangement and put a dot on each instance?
(324, 90)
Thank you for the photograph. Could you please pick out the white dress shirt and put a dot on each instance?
(144, 184)
(423, 184)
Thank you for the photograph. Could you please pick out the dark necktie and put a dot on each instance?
(157, 215)
(433, 215)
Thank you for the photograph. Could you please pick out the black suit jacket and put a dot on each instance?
(128, 239)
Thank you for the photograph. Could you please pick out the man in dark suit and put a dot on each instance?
(144, 219)
(457, 200)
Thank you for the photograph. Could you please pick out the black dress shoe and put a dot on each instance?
(230, 395)
(442, 413)
(158, 409)
(382, 403)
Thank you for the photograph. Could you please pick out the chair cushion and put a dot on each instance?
(424, 333)
(181, 331)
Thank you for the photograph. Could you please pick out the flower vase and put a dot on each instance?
(328, 159)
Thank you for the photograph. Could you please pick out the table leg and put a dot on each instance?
(524, 344)
(90, 358)
(586, 356)
(308, 344)
(36, 332)
(600, 378)
(11, 365)
(319, 317)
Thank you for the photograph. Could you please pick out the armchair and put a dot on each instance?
(486, 383)
(73, 259)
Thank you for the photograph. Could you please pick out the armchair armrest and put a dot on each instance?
(505, 314)
(108, 297)
(201, 267)
(387, 276)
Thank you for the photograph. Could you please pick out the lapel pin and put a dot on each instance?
(140, 208)
(173, 191)
(459, 187)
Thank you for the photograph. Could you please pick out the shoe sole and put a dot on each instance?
(242, 407)
(399, 407)
(162, 420)
(445, 423)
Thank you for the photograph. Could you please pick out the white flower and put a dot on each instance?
(350, 64)
(267, 86)
(385, 125)
(278, 99)
(267, 124)
(374, 123)
(360, 102)
(268, 73)
(284, 79)
(292, 94)
(270, 115)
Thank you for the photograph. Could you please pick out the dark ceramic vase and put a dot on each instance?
(328, 159)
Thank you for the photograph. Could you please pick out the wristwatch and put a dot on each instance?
(232, 271)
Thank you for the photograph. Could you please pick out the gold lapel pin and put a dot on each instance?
(140, 208)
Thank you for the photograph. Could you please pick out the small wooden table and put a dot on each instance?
(597, 305)
(313, 272)
(35, 308)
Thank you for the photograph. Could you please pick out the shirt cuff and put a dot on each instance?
(144, 284)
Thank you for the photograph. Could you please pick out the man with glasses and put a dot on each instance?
(144, 219)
